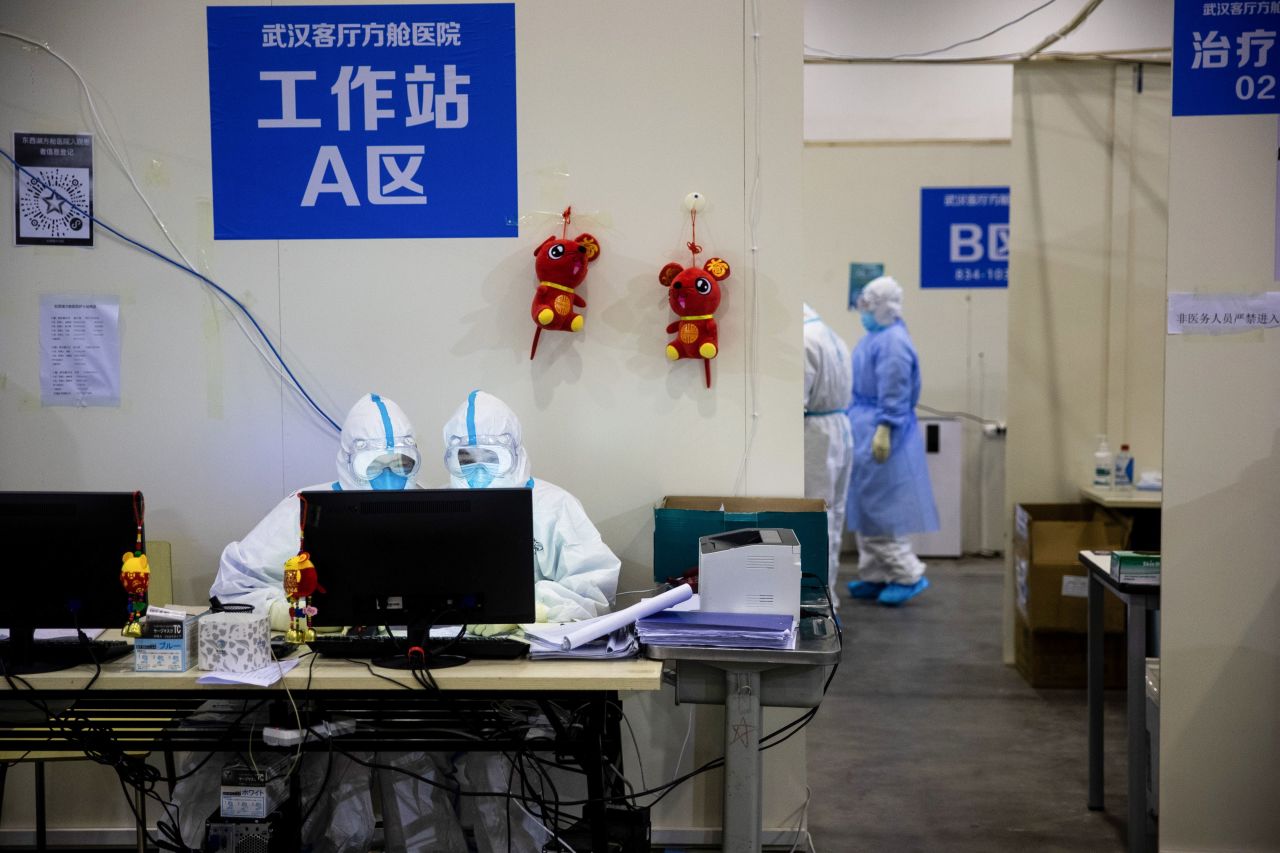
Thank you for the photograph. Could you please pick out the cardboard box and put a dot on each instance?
(168, 646)
(1052, 585)
(678, 522)
(1061, 658)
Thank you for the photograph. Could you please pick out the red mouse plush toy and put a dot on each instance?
(561, 265)
(694, 297)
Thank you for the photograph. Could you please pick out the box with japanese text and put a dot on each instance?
(168, 642)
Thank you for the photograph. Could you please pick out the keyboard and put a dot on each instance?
(484, 648)
(69, 652)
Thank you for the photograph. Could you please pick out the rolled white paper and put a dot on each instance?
(574, 634)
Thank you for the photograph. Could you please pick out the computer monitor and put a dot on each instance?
(421, 557)
(63, 564)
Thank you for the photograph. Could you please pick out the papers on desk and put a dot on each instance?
(572, 635)
(718, 630)
(622, 643)
(262, 677)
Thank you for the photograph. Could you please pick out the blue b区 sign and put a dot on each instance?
(964, 237)
(363, 121)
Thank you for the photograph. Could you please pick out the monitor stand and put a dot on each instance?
(21, 657)
(427, 661)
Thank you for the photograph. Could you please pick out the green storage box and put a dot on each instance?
(679, 521)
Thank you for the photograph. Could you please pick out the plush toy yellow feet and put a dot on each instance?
(707, 350)
(545, 316)
(577, 323)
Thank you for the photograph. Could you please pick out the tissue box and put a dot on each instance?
(170, 645)
(235, 642)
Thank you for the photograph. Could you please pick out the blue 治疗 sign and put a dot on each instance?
(1224, 58)
(363, 121)
(964, 237)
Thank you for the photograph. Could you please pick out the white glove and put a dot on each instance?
(491, 630)
(880, 443)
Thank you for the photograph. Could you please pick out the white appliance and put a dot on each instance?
(944, 454)
(752, 570)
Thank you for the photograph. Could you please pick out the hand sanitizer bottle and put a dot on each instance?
(1124, 468)
(1103, 465)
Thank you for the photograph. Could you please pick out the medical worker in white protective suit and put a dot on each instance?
(377, 451)
(889, 491)
(575, 577)
(828, 443)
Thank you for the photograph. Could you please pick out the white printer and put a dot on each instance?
(752, 570)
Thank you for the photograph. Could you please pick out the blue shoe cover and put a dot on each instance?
(865, 589)
(895, 594)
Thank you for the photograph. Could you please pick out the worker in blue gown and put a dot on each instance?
(889, 491)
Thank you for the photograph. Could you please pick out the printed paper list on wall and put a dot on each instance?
(964, 237)
(79, 350)
(1224, 58)
(363, 121)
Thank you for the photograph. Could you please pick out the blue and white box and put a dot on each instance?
(169, 639)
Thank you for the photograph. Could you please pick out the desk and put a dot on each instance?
(745, 680)
(1139, 599)
(145, 711)
(1123, 498)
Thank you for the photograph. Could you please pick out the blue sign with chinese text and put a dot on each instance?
(1224, 58)
(964, 237)
(363, 121)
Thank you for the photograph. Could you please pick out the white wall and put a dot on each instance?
(206, 431)
(951, 101)
(1087, 250)
(862, 203)
(1220, 591)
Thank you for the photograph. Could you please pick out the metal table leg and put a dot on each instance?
(1136, 696)
(140, 803)
(42, 841)
(743, 718)
(1096, 640)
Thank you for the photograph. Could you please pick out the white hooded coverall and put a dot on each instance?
(828, 441)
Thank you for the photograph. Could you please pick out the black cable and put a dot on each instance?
(639, 759)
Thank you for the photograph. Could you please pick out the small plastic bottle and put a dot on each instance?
(1124, 468)
(1103, 464)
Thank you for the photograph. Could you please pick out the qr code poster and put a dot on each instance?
(54, 189)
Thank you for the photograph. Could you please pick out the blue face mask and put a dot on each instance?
(389, 481)
(477, 474)
(869, 321)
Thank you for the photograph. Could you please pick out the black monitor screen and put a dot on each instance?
(448, 556)
(66, 550)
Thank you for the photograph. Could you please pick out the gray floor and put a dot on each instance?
(926, 741)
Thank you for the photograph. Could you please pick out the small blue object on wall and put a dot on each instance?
(964, 237)
(859, 276)
(1225, 58)
(363, 121)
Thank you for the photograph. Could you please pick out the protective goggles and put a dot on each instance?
(369, 458)
(495, 452)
